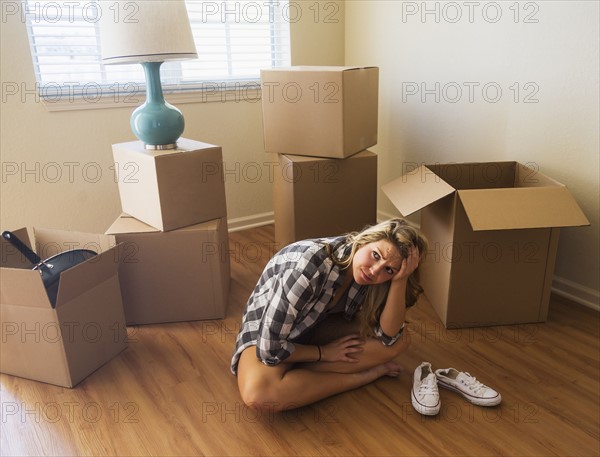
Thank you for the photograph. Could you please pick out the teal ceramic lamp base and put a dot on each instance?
(156, 123)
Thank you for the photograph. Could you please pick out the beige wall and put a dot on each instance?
(558, 55)
(57, 166)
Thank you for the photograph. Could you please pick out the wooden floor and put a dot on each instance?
(171, 393)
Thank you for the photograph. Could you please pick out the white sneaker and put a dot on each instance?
(425, 396)
(469, 387)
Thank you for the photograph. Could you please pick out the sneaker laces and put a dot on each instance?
(428, 386)
(472, 383)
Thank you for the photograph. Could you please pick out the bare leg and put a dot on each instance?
(281, 387)
(288, 386)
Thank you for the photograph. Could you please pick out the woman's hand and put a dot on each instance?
(339, 350)
(409, 265)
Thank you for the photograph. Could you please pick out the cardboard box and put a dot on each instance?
(320, 111)
(171, 189)
(86, 328)
(492, 229)
(181, 275)
(316, 197)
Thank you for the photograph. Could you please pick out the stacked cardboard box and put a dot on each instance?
(174, 232)
(320, 122)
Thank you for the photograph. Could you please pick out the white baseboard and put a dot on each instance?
(248, 222)
(576, 292)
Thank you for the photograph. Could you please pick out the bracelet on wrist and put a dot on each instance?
(401, 331)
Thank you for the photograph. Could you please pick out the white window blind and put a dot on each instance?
(234, 40)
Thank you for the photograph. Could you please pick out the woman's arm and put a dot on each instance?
(394, 311)
(337, 351)
(305, 353)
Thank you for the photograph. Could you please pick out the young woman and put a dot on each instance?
(327, 316)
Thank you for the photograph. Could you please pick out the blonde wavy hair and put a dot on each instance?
(401, 235)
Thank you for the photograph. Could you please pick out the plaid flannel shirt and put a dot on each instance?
(292, 296)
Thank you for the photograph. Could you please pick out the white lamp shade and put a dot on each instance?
(146, 31)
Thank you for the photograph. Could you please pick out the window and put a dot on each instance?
(234, 40)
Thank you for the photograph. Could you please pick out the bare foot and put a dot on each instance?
(385, 369)
(393, 369)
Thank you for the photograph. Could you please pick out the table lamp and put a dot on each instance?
(150, 34)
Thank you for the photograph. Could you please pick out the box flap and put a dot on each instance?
(50, 242)
(22, 287)
(209, 226)
(186, 145)
(86, 275)
(416, 189)
(128, 224)
(520, 208)
(293, 158)
(93, 328)
(530, 176)
(10, 256)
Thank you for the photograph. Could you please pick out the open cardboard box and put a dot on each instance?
(180, 275)
(170, 189)
(315, 197)
(320, 111)
(493, 234)
(85, 329)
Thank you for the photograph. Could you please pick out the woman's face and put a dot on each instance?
(375, 263)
